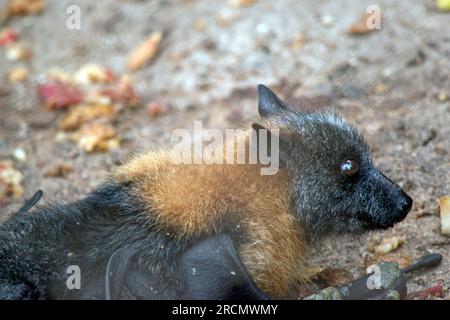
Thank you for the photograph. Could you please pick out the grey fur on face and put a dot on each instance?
(315, 147)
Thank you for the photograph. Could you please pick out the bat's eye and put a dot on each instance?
(349, 167)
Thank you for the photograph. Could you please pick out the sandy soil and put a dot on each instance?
(211, 58)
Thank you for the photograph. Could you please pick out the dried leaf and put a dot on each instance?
(97, 137)
(144, 52)
(58, 95)
(444, 205)
(10, 182)
(83, 113)
(155, 109)
(96, 96)
(94, 73)
(18, 74)
(333, 277)
(299, 41)
(387, 245)
(24, 7)
(403, 260)
(8, 36)
(240, 3)
(58, 75)
(443, 5)
(58, 170)
(436, 291)
(361, 27)
(123, 92)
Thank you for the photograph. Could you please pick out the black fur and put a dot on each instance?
(313, 145)
(121, 251)
(36, 248)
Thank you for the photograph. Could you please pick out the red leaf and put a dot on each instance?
(436, 291)
(58, 95)
(8, 36)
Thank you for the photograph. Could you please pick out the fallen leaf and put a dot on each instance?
(58, 75)
(10, 182)
(123, 92)
(436, 291)
(80, 114)
(24, 7)
(95, 96)
(403, 260)
(18, 74)
(333, 277)
(126, 91)
(58, 170)
(387, 245)
(93, 73)
(8, 36)
(144, 52)
(240, 3)
(361, 27)
(380, 88)
(97, 137)
(444, 205)
(443, 5)
(155, 109)
(299, 41)
(225, 18)
(58, 95)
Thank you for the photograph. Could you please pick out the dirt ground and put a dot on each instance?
(394, 84)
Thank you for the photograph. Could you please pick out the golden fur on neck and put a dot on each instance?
(195, 198)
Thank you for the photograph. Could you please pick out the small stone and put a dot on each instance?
(330, 293)
(20, 155)
(442, 96)
(327, 20)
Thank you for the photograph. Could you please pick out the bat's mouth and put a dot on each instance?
(369, 223)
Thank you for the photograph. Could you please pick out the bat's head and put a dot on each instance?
(335, 187)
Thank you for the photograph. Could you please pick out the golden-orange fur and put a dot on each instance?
(194, 198)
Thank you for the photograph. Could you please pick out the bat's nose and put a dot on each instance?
(403, 206)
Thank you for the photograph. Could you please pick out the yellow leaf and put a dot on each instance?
(443, 5)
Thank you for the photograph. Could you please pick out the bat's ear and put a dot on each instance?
(262, 132)
(268, 102)
(271, 143)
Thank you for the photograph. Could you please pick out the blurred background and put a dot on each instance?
(84, 84)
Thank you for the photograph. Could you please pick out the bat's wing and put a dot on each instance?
(116, 273)
(30, 202)
(211, 269)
